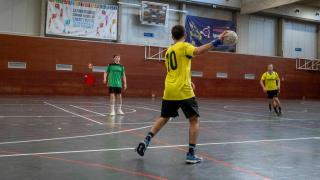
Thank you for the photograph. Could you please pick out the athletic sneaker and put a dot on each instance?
(193, 159)
(142, 147)
(277, 112)
(280, 111)
(120, 112)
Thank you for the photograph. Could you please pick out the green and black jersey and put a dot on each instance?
(115, 74)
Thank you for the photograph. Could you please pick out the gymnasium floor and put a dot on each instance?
(74, 138)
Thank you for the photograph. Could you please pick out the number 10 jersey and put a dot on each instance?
(178, 80)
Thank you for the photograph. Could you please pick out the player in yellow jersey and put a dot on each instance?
(178, 91)
(270, 83)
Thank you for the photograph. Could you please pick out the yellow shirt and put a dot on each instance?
(178, 79)
(270, 80)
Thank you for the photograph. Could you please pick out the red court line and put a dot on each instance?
(295, 149)
(102, 166)
(212, 159)
(270, 144)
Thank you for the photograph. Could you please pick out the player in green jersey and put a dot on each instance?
(115, 78)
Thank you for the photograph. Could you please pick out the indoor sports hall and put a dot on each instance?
(164, 90)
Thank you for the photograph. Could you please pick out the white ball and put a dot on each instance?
(230, 38)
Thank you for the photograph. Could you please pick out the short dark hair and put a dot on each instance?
(115, 55)
(177, 32)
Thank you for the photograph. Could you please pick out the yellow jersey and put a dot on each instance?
(270, 80)
(178, 80)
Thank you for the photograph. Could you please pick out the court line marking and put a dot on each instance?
(89, 119)
(143, 107)
(92, 135)
(21, 104)
(281, 118)
(251, 114)
(248, 120)
(41, 116)
(75, 102)
(87, 110)
(229, 116)
(102, 114)
(202, 100)
(223, 115)
(202, 120)
(139, 107)
(233, 107)
(74, 137)
(159, 147)
(217, 121)
(225, 109)
(310, 104)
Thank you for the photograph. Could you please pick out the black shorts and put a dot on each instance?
(189, 107)
(115, 90)
(272, 94)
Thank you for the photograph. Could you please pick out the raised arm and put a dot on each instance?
(206, 47)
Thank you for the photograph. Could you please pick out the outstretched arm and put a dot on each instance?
(206, 47)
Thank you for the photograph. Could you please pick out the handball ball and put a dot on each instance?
(230, 38)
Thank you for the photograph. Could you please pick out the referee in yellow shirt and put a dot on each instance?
(178, 91)
(270, 83)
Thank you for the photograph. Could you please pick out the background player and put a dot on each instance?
(116, 76)
(270, 83)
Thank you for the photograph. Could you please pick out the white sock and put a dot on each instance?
(112, 107)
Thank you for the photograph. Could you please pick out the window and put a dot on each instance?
(63, 67)
(222, 75)
(196, 74)
(17, 65)
(99, 69)
(249, 76)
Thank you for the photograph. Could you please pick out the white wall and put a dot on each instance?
(229, 3)
(257, 35)
(131, 30)
(209, 12)
(299, 35)
(17, 16)
(307, 13)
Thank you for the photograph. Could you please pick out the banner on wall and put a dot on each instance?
(73, 18)
(201, 30)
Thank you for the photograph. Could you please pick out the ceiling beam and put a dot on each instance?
(252, 6)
